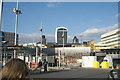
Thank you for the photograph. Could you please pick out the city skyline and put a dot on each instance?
(81, 18)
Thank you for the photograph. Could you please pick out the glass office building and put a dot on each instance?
(61, 35)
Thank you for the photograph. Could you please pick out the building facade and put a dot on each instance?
(10, 37)
(68, 51)
(110, 40)
(61, 35)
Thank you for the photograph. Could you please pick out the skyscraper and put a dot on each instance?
(75, 40)
(60, 34)
(43, 40)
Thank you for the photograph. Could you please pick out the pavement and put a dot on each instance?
(63, 67)
(50, 69)
(55, 72)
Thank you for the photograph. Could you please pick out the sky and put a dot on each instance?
(89, 19)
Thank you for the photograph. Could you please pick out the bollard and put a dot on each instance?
(96, 64)
(105, 65)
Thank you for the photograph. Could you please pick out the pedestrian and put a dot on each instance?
(115, 73)
(15, 69)
(45, 65)
(40, 65)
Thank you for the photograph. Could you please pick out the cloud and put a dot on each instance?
(88, 34)
(70, 38)
(34, 37)
(52, 4)
(95, 33)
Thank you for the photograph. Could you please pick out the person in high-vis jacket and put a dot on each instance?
(115, 73)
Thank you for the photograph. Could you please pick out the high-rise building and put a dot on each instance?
(75, 40)
(43, 39)
(110, 43)
(61, 34)
(110, 40)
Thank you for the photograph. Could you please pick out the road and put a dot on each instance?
(74, 73)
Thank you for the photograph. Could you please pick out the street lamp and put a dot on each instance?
(36, 53)
(41, 52)
(1, 28)
(63, 45)
(17, 12)
(59, 54)
(0, 15)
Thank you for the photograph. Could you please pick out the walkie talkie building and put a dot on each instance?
(60, 34)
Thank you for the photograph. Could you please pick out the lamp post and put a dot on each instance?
(41, 52)
(36, 54)
(59, 54)
(0, 15)
(0, 29)
(63, 44)
(17, 11)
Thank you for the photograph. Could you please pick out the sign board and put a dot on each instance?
(15, 48)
